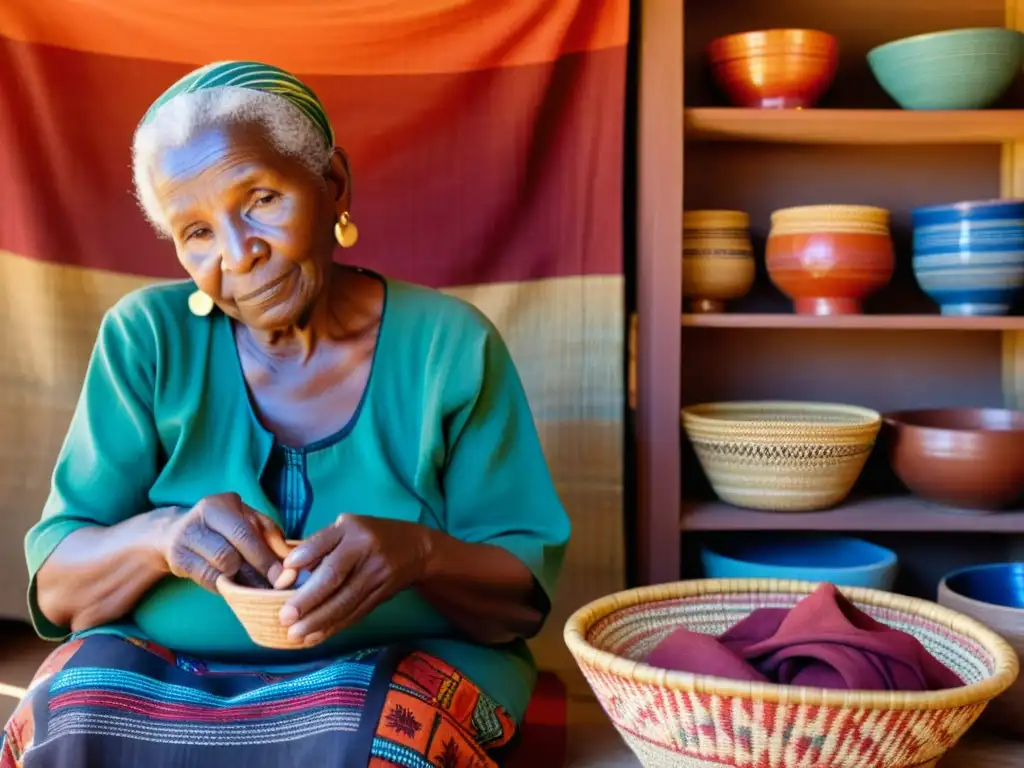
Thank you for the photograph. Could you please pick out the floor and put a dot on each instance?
(593, 742)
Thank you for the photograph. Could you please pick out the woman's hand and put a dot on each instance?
(222, 535)
(363, 561)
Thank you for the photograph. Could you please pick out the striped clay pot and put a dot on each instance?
(676, 720)
(969, 256)
(718, 262)
(829, 258)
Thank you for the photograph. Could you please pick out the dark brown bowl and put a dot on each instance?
(965, 458)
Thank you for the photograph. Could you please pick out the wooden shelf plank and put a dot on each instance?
(854, 322)
(890, 513)
(854, 126)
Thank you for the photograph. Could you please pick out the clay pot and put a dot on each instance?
(994, 595)
(718, 262)
(969, 256)
(829, 258)
(962, 458)
(774, 68)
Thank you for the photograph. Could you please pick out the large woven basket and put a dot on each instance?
(781, 456)
(680, 720)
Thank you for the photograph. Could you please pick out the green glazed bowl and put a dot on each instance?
(957, 69)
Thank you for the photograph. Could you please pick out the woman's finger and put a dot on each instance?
(350, 614)
(238, 525)
(273, 535)
(326, 580)
(212, 547)
(335, 609)
(314, 548)
(188, 565)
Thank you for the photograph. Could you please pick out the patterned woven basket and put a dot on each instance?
(781, 456)
(680, 720)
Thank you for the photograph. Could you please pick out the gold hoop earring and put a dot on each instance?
(345, 231)
(200, 304)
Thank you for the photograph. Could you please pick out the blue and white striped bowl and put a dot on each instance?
(969, 256)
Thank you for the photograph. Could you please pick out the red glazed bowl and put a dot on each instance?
(963, 458)
(774, 68)
(829, 258)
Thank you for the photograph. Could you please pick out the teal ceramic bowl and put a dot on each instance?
(958, 69)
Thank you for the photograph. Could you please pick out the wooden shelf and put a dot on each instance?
(853, 126)
(890, 513)
(854, 322)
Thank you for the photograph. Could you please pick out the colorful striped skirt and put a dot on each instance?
(106, 701)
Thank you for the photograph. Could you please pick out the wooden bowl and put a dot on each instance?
(774, 68)
(994, 595)
(829, 259)
(718, 261)
(962, 458)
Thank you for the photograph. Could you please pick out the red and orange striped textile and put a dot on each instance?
(486, 140)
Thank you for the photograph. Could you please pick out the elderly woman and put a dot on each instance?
(279, 396)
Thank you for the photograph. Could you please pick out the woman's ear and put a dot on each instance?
(338, 172)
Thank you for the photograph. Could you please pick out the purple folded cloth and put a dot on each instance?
(823, 641)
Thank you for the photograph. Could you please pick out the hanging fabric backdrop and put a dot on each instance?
(486, 143)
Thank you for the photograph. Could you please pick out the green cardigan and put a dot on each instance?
(443, 437)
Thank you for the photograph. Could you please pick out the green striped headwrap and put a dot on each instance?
(254, 76)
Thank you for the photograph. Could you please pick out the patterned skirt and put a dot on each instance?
(107, 701)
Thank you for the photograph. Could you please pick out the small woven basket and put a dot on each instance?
(781, 456)
(680, 720)
(259, 610)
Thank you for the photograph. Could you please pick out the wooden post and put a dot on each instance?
(659, 288)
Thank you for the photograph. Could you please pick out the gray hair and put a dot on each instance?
(289, 131)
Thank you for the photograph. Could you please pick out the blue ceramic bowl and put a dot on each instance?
(999, 584)
(969, 257)
(843, 561)
(956, 69)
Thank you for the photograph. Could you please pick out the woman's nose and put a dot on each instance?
(242, 254)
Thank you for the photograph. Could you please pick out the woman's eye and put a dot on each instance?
(199, 233)
(265, 198)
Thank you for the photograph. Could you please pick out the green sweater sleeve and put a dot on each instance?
(497, 486)
(108, 461)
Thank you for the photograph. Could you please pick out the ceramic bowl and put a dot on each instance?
(962, 458)
(969, 256)
(845, 561)
(829, 258)
(781, 456)
(954, 69)
(774, 68)
(994, 595)
(718, 261)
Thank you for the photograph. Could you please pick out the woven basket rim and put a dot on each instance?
(226, 586)
(701, 414)
(1007, 665)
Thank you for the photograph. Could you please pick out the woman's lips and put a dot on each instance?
(266, 287)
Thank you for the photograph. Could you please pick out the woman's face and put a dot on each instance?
(253, 228)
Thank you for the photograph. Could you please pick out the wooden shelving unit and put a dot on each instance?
(854, 322)
(855, 147)
(853, 126)
(896, 513)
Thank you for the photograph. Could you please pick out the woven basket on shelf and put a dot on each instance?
(781, 456)
(681, 720)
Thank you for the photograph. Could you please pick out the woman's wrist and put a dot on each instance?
(155, 533)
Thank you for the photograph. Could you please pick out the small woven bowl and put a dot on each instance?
(681, 720)
(258, 610)
(781, 456)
